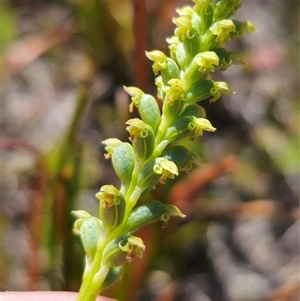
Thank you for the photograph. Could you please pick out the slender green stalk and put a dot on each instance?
(183, 80)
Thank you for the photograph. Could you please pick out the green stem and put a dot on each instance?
(160, 136)
(93, 278)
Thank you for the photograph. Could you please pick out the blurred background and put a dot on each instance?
(64, 64)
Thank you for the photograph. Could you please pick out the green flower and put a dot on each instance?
(207, 61)
(108, 195)
(222, 30)
(242, 28)
(167, 169)
(203, 62)
(226, 8)
(110, 143)
(123, 249)
(159, 59)
(184, 28)
(202, 3)
(173, 41)
(175, 91)
(134, 247)
(136, 95)
(112, 206)
(146, 104)
(170, 210)
(198, 125)
(137, 128)
(185, 11)
(219, 89)
(204, 9)
(155, 171)
(142, 138)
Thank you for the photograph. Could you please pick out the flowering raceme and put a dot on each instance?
(183, 79)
